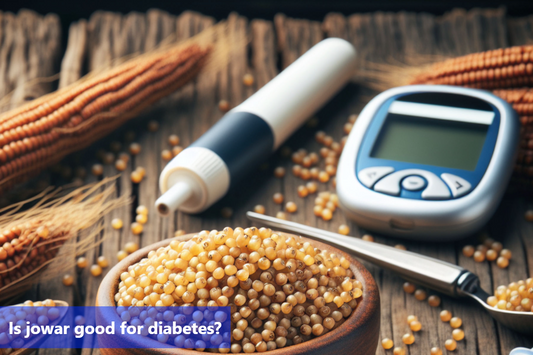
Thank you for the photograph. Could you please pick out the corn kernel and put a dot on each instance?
(68, 279)
(502, 262)
(368, 238)
(291, 207)
(116, 223)
(279, 172)
(166, 155)
(302, 191)
(278, 198)
(344, 229)
(136, 177)
(223, 105)
(305, 174)
(120, 165)
(450, 345)
(456, 322)
(248, 79)
(387, 343)
(491, 255)
(136, 228)
(81, 262)
(121, 254)
(506, 253)
(420, 295)
(409, 287)
(434, 301)
(281, 215)
(96, 270)
(311, 187)
(415, 326)
(131, 247)
(173, 140)
(319, 136)
(326, 214)
(479, 256)
(468, 251)
(458, 334)
(408, 339)
(323, 177)
(141, 209)
(259, 209)
(102, 262)
(317, 210)
(399, 351)
(97, 169)
(141, 218)
(135, 148)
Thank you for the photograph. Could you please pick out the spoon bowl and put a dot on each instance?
(521, 322)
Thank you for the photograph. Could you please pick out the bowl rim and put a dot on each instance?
(364, 311)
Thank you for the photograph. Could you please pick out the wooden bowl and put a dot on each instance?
(29, 346)
(358, 334)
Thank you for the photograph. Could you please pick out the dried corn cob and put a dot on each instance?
(30, 240)
(42, 132)
(521, 99)
(500, 68)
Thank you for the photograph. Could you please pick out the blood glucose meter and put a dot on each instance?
(428, 161)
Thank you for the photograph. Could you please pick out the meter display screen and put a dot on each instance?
(444, 136)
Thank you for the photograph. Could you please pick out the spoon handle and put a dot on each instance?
(423, 270)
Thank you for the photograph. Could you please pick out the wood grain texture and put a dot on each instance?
(74, 57)
(274, 45)
(29, 56)
(360, 331)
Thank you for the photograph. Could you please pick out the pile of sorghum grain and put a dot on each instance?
(517, 296)
(281, 290)
(40, 313)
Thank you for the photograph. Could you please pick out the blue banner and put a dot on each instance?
(115, 327)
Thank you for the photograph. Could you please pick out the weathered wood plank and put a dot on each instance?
(335, 25)
(29, 56)
(520, 30)
(74, 58)
(295, 36)
(263, 52)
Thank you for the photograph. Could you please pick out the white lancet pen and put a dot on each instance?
(202, 173)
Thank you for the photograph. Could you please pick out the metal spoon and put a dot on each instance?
(438, 275)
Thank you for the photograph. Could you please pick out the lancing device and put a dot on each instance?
(243, 138)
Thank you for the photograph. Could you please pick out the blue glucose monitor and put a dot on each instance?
(428, 162)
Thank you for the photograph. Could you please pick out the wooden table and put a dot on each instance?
(273, 45)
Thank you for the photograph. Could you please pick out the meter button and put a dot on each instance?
(413, 183)
(436, 189)
(459, 186)
(390, 185)
(369, 176)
